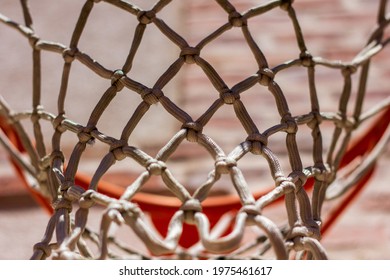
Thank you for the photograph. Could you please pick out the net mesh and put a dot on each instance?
(55, 177)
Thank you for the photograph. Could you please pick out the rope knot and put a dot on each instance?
(116, 79)
(43, 247)
(317, 119)
(74, 193)
(224, 165)
(229, 97)
(56, 154)
(189, 54)
(151, 96)
(266, 75)
(117, 150)
(190, 207)
(63, 204)
(306, 59)
(291, 124)
(86, 200)
(237, 20)
(85, 135)
(348, 70)
(146, 17)
(156, 167)
(258, 141)
(69, 54)
(33, 39)
(193, 128)
(250, 209)
(298, 175)
(35, 116)
(57, 123)
(286, 4)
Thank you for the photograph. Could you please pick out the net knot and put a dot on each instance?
(116, 79)
(321, 172)
(300, 176)
(193, 128)
(250, 210)
(348, 70)
(190, 207)
(86, 200)
(291, 124)
(63, 204)
(56, 154)
(35, 116)
(57, 123)
(156, 167)
(74, 193)
(316, 120)
(237, 20)
(69, 54)
(66, 185)
(117, 150)
(85, 135)
(266, 75)
(229, 97)
(146, 17)
(306, 59)
(286, 4)
(223, 165)
(43, 247)
(258, 141)
(189, 54)
(151, 96)
(33, 39)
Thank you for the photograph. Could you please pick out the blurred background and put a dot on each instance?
(334, 29)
